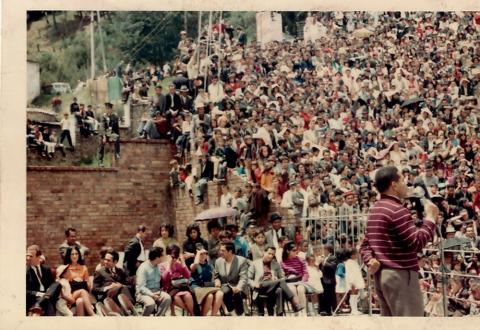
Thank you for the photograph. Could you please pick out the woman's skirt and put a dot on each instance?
(202, 292)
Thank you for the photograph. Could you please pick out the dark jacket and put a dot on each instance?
(33, 284)
(159, 103)
(328, 269)
(186, 103)
(173, 103)
(206, 170)
(104, 277)
(131, 255)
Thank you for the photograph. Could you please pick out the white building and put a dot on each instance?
(33, 81)
(269, 27)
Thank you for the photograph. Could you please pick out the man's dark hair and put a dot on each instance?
(270, 247)
(225, 234)
(68, 230)
(155, 253)
(231, 227)
(115, 255)
(229, 246)
(104, 250)
(385, 176)
(141, 228)
(212, 224)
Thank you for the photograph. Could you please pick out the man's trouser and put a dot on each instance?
(232, 300)
(328, 302)
(162, 304)
(399, 292)
(274, 290)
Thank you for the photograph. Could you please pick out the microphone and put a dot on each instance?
(420, 193)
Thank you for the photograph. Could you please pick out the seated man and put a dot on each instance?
(206, 174)
(109, 280)
(277, 230)
(42, 290)
(71, 241)
(148, 285)
(154, 128)
(266, 278)
(231, 276)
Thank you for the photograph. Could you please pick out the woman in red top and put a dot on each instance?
(176, 279)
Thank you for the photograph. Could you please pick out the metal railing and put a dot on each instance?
(348, 229)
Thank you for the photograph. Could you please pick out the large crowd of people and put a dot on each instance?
(306, 124)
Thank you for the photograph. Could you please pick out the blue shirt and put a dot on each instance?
(148, 278)
(241, 246)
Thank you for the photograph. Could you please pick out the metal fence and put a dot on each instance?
(328, 229)
(348, 229)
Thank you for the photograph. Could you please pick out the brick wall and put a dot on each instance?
(104, 205)
(186, 210)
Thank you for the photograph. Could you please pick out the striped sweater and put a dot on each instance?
(295, 266)
(392, 237)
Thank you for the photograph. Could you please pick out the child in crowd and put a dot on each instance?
(314, 284)
(353, 279)
(341, 287)
(257, 249)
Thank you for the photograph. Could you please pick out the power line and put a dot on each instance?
(143, 42)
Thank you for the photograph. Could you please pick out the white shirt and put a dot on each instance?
(228, 265)
(65, 124)
(39, 274)
(141, 256)
(216, 92)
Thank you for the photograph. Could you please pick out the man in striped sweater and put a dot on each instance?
(391, 244)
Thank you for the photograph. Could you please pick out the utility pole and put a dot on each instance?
(102, 46)
(92, 48)
(185, 25)
(208, 46)
(220, 25)
(198, 42)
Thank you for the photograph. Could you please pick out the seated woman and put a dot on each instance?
(207, 295)
(76, 273)
(175, 281)
(295, 272)
(190, 245)
(166, 237)
(66, 301)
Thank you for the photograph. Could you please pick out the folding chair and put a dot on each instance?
(127, 305)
